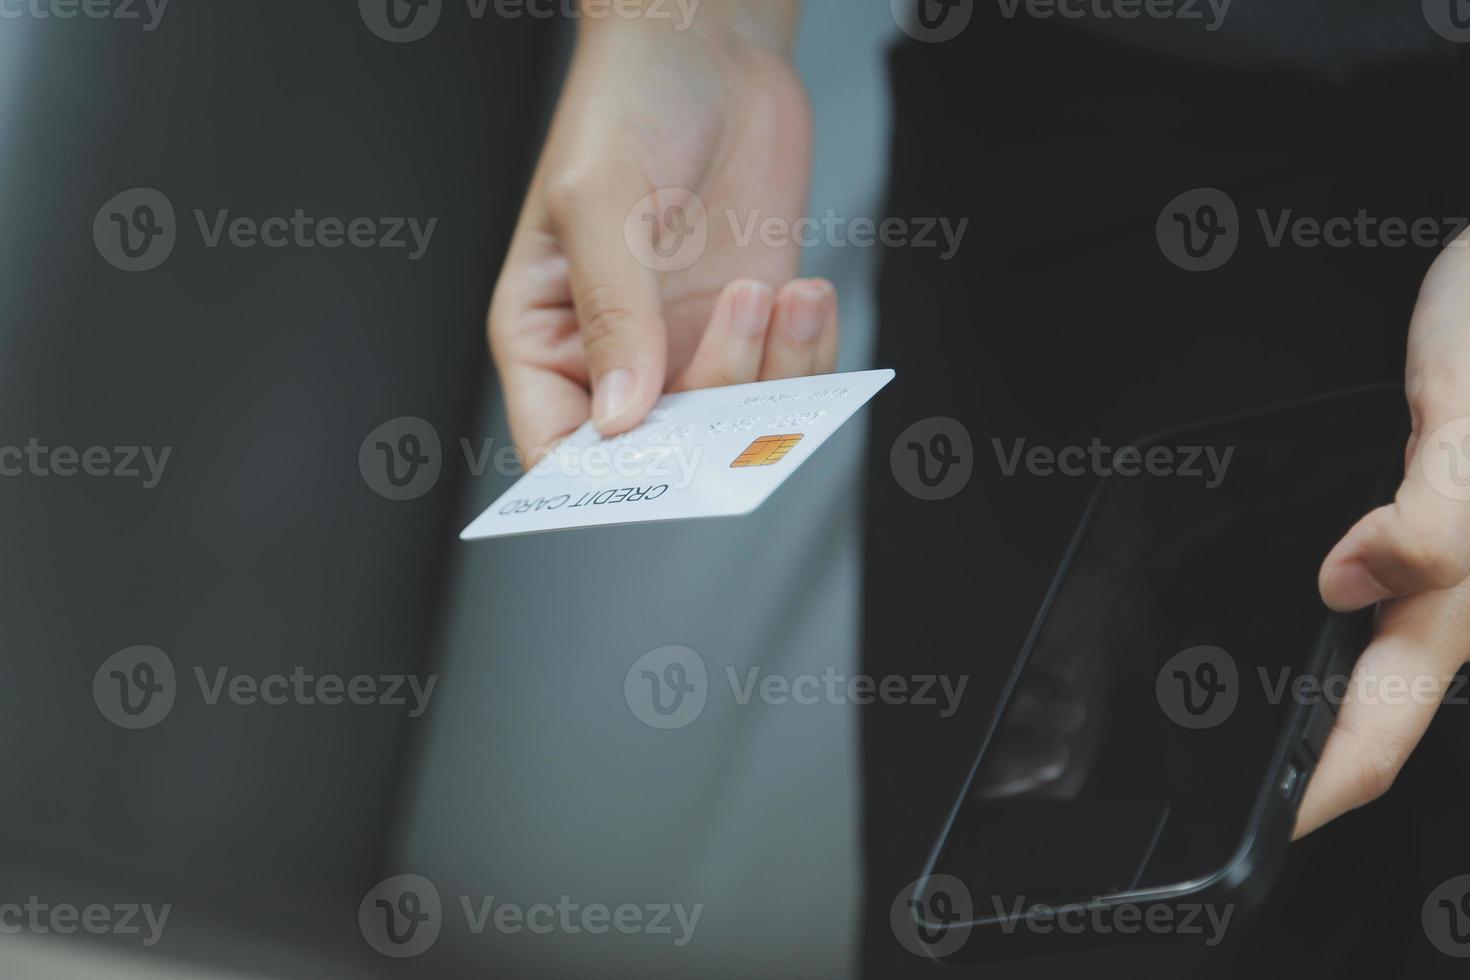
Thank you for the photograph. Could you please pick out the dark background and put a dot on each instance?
(262, 548)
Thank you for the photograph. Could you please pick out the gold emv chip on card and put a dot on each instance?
(766, 450)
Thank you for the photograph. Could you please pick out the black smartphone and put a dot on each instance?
(1153, 742)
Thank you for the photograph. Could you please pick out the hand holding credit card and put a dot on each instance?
(712, 452)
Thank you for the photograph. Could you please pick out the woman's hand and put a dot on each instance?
(658, 130)
(1413, 555)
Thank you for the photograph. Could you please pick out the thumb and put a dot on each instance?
(1397, 686)
(1421, 542)
(617, 304)
(1418, 543)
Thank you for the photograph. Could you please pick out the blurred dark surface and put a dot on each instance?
(1069, 323)
(262, 549)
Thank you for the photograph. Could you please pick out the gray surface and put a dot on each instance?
(1327, 38)
(262, 549)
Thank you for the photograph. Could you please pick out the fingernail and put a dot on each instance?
(751, 309)
(1352, 586)
(610, 394)
(807, 311)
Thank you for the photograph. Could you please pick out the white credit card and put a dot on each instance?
(716, 452)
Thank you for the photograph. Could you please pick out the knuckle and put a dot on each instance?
(1434, 556)
(565, 195)
(1375, 778)
(1378, 767)
(603, 317)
